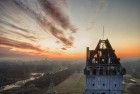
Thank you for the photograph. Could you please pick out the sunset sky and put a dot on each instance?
(62, 29)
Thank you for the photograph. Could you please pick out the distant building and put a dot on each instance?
(104, 73)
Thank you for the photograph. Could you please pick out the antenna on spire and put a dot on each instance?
(103, 33)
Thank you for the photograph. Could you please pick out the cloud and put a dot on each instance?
(13, 26)
(14, 43)
(27, 36)
(7, 54)
(63, 48)
(32, 21)
(58, 34)
(55, 11)
(46, 25)
(20, 34)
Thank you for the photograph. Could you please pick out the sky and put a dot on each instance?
(62, 29)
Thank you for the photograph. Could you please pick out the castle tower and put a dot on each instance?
(103, 71)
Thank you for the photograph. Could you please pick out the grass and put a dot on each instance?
(73, 85)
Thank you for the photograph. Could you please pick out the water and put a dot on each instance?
(33, 76)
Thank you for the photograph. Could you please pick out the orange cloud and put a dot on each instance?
(46, 54)
(14, 43)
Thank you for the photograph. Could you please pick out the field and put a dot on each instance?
(73, 85)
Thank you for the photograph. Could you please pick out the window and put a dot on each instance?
(115, 85)
(92, 93)
(103, 84)
(93, 84)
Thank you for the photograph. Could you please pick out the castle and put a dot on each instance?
(103, 71)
